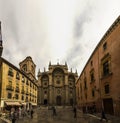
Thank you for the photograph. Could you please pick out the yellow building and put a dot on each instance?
(17, 87)
(98, 85)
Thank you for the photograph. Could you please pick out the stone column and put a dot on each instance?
(66, 89)
(50, 90)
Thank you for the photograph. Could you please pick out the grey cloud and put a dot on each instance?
(80, 21)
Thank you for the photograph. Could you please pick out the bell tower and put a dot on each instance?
(1, 47)
(28, 66)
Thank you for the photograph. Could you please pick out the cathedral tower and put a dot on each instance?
(28, 66)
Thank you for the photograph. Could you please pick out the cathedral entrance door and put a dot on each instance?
(71, 102)
(58, 100)
(45, 101)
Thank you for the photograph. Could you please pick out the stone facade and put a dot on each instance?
(99, 83)
(57, 86)
(15, 86)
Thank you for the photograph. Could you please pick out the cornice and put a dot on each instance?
(112, 28)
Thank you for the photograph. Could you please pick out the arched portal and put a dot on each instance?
(58, 100)
(71, 102)
(45, 102)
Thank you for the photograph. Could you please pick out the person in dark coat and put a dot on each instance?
(54, 111)
(75, 112)
(103, 116)
(13, 116)
(31, 113)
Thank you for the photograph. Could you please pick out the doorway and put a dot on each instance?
(108, 106)
(45, 102)
(58, 100)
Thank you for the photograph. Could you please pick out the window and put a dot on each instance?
(70, 83)
(30, 84)
(22, 97)
(85, 84)
(23, 79)
(107, 89)
(17, 76)
(9, 95)
(92, 77)
(27, 83)
(104, 46)
(45, 83)
(17, 89)
(26, 98)
(32, 68)
(10, 83)
(106, 65)
(24, 67)
(58, 81)
(10, 72)
(105, 68)
(91, 63)
(16, 96)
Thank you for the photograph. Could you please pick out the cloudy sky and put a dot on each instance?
(55, 30)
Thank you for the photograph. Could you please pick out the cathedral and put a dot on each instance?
(57, 86)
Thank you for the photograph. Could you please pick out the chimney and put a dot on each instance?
(1, 47)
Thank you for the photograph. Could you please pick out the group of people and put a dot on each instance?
(17, 113)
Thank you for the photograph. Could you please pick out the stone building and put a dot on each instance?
(57, 86)
(17, 87)
(98, 85)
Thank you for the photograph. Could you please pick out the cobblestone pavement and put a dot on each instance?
(64, 115)
(45, 116)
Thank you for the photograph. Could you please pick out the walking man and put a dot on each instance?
(31, 113)
(75, 112)
(103, 116)
(13, 116)
(54, 111)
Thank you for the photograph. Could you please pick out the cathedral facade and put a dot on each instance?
(57, 86)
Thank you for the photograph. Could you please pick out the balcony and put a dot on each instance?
(9, 87)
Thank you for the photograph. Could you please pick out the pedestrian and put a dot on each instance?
(54, 111)
(31, 113)
(20, 112)
(75, 112)
(103, 116)
(13, 116)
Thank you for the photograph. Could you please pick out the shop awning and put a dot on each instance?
(34, 104)
(23, 103)
(13, 103)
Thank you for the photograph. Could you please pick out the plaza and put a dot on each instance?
(64, 115)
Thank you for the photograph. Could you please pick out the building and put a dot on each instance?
(17, 87)
(98, 85)
(57, 86)
(28, 67)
